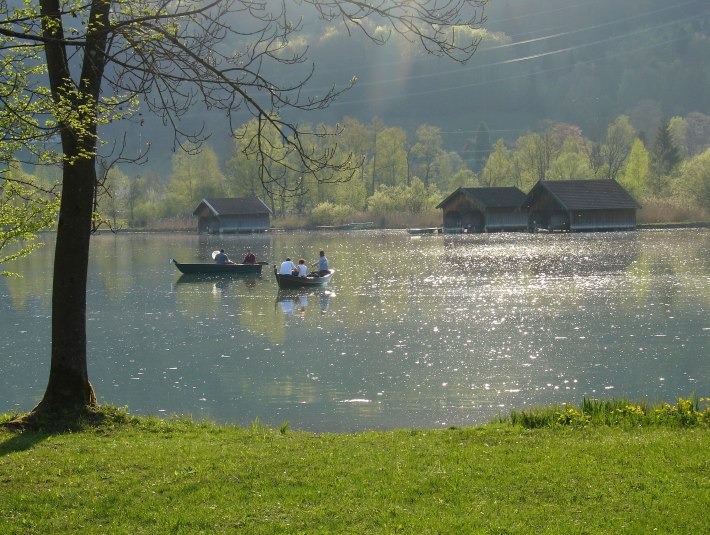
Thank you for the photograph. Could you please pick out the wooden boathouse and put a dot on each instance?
(580, 206)
(232, 215)
(485, 209)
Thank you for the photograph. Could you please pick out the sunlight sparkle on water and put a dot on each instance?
(439, 329)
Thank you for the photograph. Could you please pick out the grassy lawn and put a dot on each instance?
(144, 475)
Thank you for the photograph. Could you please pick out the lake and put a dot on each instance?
(414, 331)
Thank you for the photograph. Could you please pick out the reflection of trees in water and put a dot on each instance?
(238, 296)
(212, 289)
(668, 267)
(467, 309)
(653, 266)
(556, 255)
(381, 274)
(35, 287)
(200, 296)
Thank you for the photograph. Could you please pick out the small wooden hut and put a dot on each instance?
(485, 209)
(230, 215)
(580, 205)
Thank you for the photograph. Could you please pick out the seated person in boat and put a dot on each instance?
(302, 268)
(250, 258)
(322, 264)
(222, 258)
(288, 268)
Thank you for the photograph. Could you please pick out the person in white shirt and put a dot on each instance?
(288, 267)
(302, 268)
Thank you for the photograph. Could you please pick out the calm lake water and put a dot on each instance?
(423, 332)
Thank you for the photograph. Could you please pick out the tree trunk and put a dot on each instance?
(69, 388)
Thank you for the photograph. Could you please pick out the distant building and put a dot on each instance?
(485, 209)
(228, 215)
(580, 205)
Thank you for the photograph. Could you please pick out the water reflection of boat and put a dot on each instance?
(324, 301)
(218, 282)
(221, 269)
(291, 301)
(193, 278)
(287, 305)
(311, 281)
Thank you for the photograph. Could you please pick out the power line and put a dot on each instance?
(525, 59)
(537, 40)
(594, 27)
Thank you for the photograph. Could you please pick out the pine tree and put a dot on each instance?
(665, 156)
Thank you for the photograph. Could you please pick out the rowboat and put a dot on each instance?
(293, 281)
(211, 269)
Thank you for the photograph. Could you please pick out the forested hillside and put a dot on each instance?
(579, 62)
(556, 90)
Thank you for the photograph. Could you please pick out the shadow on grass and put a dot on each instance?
(29, 429)
(20, 442)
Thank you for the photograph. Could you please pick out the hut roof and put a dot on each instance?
(594, 194)
(497, 197)
(233, 206)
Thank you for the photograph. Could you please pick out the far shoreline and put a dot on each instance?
(639, 226)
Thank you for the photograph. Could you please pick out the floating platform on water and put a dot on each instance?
(348, 226)
(429, 230)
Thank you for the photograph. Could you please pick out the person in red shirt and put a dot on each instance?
(250, 258)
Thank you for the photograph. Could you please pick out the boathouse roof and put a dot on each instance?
(593, 194)
(232, 206)
(492, 197)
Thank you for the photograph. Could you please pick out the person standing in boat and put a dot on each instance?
(222, 258)
(250, 258)
(322, 264)
(288, 267)
(302, 268)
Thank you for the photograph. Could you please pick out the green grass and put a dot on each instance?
(615, 474)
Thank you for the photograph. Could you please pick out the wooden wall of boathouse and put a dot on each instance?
(232, 215)
(580, 206)
(484, 209)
